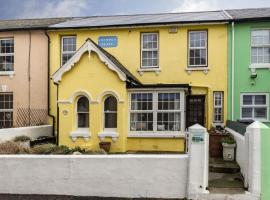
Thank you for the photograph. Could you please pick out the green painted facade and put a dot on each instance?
(242, 73)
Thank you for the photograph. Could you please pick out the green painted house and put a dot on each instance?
(249, 65)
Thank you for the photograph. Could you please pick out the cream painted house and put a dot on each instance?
(24, 72)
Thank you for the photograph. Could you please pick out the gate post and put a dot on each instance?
(198, 161)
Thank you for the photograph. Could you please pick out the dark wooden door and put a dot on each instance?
(195, 110)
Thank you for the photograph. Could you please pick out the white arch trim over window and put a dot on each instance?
(74, 95)
(108, 93)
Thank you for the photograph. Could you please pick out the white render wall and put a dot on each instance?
(31, 131)
(159, 176)
(241, 150)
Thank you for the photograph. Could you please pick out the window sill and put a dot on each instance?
(142, 70)
(156, 135)
(260, 120)
(204, 69)
(111, 134)
(7, 73)
(80, 133)
(259, 66)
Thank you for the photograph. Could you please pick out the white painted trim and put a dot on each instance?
(260, 66)
(189, 70)
(112, 93)
(87, 46)
(77, 93)
(80, 133)
(254, 106)
(157, 70)
(156, 135)
(111, 134)
(7, 73)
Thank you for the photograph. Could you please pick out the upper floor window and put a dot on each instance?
(149, 50)
(68, 48)
(260, 46)
(6, 110)
(110, 113)
(82, 112)
(218, 107)
(197, 53)
(6, 54)
(254, 106)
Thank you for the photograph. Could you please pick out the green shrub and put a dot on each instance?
(62, 149)
(12, 148)
(228, 140)
(81, 150)
(22, 138)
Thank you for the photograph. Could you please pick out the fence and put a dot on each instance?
(31, 117)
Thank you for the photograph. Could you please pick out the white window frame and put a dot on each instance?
(255, 106)
(218, 106)
(258, 65)
(104, 113)
(203, 67)
(77, 116)
(8, 110)
(155, 133)
(153, 49)
(62, 46)
(8, 54)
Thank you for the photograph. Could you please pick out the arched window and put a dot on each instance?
(83, 112)
(110, 113)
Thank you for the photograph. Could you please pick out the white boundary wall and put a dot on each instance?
(31, 131)
(241, 150)
(159, 176)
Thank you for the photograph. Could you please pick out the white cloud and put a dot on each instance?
(63, 8)
(197, 5)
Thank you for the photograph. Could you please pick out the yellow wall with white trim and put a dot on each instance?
(172, 62)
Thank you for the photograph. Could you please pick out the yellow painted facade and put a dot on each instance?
(92, 76)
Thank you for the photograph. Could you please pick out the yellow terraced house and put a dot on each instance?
(138, 81)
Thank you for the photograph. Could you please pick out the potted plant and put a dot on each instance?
(228, 144)
(23, 141)
(105, 146)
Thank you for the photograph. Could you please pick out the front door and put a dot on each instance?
(195, 112)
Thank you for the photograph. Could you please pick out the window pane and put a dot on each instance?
(83, 105)
(141, 101)
(260, 99)
(168, 121)
(247, 99)
(247, 112)
(110, 104)
(68, 48)
(83, 120)
(110, 120)
(168, 101)
(260, 113)
(141, 122)
(260, 37)
(6, 46)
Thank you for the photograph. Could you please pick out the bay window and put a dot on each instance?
(254, 106)
(156, 112)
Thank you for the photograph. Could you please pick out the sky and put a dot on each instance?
(14, 9)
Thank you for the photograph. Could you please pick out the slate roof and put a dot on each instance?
(248, 14)
(143, 19)
(19, 24)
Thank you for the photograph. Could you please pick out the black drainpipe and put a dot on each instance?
(57, 94)
(49, 96)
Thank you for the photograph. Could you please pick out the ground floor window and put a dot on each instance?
(156, 111)
(6, 110)
(83, 112)
(218, 107)
(110, 113)
(254, 106)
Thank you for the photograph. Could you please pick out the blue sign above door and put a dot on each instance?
(107, 41)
